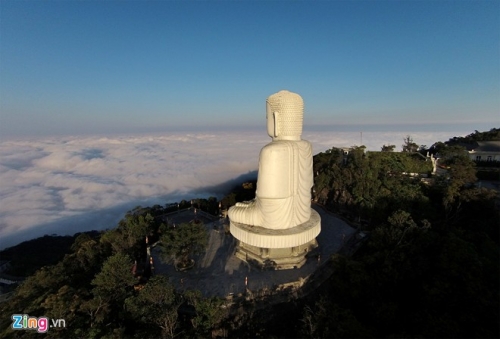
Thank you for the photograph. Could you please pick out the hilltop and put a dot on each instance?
(429, 267)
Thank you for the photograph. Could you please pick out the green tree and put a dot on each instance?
(398, 232)
(112, 285)
(63, 305)
(129, 236)
(209, 312)
(156, 304)
(388, 148)
(363, 181)
(448, 152)
(409, 145)
(115, 280)
(457, 185)
(229, 200)
(326, 168)
(329, 320)
(182, 241)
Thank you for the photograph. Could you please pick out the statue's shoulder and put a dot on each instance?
(285, 145)
(274, 145)
(277, 146)
(305, 143)
(275, 149)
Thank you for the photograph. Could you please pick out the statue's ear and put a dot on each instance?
(275, 117)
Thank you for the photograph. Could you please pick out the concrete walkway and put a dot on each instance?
(219, 273)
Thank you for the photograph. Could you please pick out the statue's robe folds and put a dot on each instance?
(283, 196)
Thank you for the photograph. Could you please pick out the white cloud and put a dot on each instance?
(66, 185)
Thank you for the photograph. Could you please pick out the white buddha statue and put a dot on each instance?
(285, 178)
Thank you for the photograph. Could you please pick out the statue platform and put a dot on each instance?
(218, 272)
(276, 249)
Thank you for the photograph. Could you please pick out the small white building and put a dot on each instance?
(485, 151)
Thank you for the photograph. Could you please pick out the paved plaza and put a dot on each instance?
(219, 273)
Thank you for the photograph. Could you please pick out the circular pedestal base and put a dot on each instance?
(285, 238)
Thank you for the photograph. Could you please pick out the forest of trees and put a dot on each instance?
(95, 291)
(430, 266)
(491, 135)
(365, 187)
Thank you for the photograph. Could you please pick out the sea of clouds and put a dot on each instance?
(65, 185)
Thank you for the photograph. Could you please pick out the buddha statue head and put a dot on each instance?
(285, 114)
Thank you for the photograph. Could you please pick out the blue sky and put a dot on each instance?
(86, 67)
